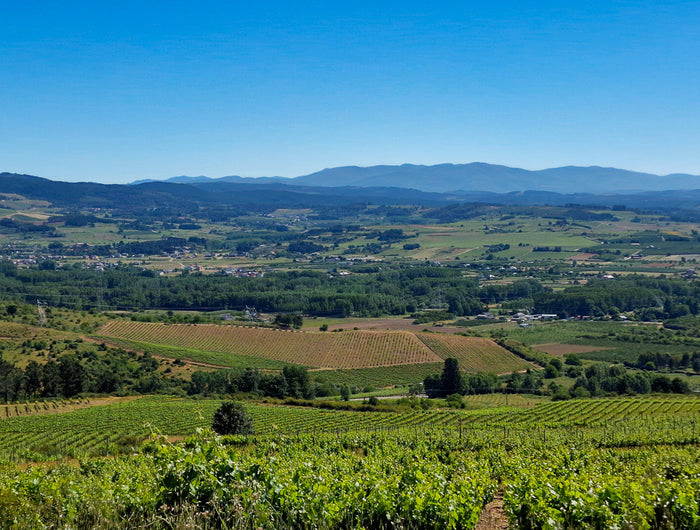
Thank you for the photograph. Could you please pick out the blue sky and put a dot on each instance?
(117, 91)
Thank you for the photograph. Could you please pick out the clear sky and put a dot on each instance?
(120, 90)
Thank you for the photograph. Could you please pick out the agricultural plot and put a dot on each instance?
(470, 239)
(215, 359)
(474, 354)
(435, 478)
(597, 412)
(348, 350)
(103, 429)
(381, 376)
(123, 425)
(607, 341)
(502, 400)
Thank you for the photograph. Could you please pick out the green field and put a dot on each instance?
(628, 463)
(103, 428)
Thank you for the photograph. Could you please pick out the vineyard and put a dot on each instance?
(234, 346)
(205, 357)
(474, 354)
(612, 463)
(103, 429)
(382, 376)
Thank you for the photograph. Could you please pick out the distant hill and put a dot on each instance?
(479, 176)
(476, 177)
(252, 194)
(183, 179)
(264, 195)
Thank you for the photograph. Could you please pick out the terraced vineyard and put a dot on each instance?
(474, 354)
(346, 350)
(206, 357)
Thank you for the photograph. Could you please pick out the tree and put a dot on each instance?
(232, 418)
(298, 382)
(286, 320)
(451, 378)
(72, 375)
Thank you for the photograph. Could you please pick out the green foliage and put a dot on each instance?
(584, 489)
(232, 418)
(453, 382)
(451, 379)
(523, 351)
(601, 379)
(572, 476)
(75, 367)
(289, 320)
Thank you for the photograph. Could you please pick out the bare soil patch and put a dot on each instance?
(393, 324)
(493, 517)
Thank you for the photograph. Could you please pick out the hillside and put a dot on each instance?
(345, 350)
(427, 186)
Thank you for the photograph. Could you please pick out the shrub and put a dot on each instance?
(232, 418)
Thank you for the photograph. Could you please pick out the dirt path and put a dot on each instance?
(493, 517)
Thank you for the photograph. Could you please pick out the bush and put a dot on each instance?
(232, 418)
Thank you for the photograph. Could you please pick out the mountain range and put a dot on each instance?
(386, 185)
(478, 177)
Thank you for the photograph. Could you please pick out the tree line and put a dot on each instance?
(79, 370)
(596, 380)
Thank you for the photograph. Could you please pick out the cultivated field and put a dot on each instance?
(474, 354)
(347, 350)
(116, 425)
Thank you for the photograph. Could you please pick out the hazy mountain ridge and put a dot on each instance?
(478, 176)
(259, 194)
(481, 177)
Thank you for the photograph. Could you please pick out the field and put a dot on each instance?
(347, 350)
(608, 341)
(134, 461)
(381, 376)
(104, 427)
(474, 354)
(559, 350)
(627, 463)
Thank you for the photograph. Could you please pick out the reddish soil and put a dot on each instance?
(394, 324)
(493, 517)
